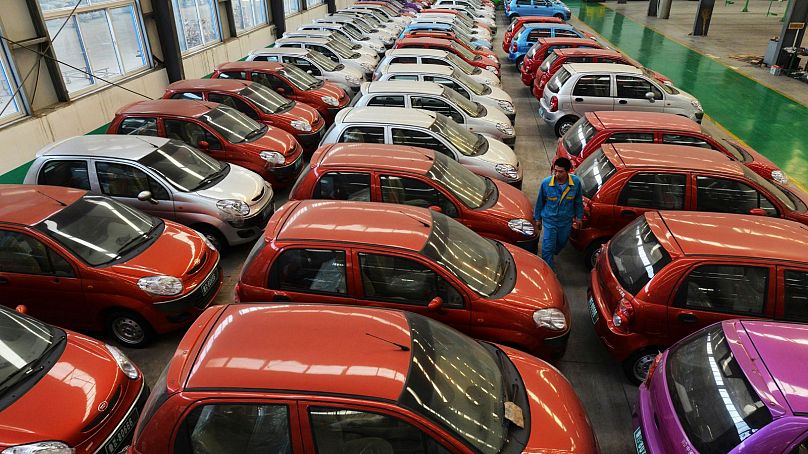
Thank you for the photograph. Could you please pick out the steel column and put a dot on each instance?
(792, 33)
(169, 40)
(703, 16)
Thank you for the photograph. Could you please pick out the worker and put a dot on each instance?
(559, 204)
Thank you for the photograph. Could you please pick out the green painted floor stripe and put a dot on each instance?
(769, 122)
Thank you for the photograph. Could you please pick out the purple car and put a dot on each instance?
(733, 387)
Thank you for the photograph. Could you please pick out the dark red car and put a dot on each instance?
(220, 131)
(453, 47)
(481, 51)
(257, 102)
(536, 55)
(290, 82)
(515, 26)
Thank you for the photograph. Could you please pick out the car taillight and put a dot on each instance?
(623, 315)
(541, 83)
(651, 369)
(514, 46)
(553, 104)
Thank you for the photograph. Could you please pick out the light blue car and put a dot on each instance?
(472, 40)
(517, 8)
(530, 34)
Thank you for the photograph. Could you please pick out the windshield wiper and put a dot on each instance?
(30, 368)
(210, 178)
(133, 243)
(253, 134)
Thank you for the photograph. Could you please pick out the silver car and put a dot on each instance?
(338, 37)
(229, 204)
(349, 31)
(578, 88)
(374, 19)
(455, 79)
(314, 63)
(438, 98)
(383, 11)
(472, 23)
(412, 55)
(431, 18)
(420, 128)
(385, 36)
(334, 50)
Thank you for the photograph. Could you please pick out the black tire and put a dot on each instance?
(591, 252)
(564, 124)
(636, 366)
(214, 236)
(512, 17)
(129, 329)
(519, 62)
(560, 16)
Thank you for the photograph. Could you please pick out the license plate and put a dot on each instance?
(593, 310)
(210, 282)
(638, 441)
(122, 436)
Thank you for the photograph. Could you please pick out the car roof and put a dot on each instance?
(366, 223)
(417, 52)
(426, 40)
(675, 157)
(601, 68)
(405, 86)
(271, 66)
(176, 107)
(302, 39)
(586, 51)
(128, 147)
(420, 69)
(210, 84)
(311, 33)
(387, 115)
(566, 40)
(625, 119)
(320, 349)
(375, 156)
(296, 51)
(28, 204)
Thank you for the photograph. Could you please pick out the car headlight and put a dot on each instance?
(550, 318)
(352, 80)
(695, 103)
(160, 285)
(486, 82)
(330, 100)
(505, 129)
(272, 157)
(301, 125)
(234, 207)
(779, 176)
(507, 106)
(507, 171)
(493, 69)
(522, 226)
(367, 66)
(124, 364)
(43, 447)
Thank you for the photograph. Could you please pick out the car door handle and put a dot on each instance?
(281, 298)
(687, 317)
(622, 101)
(628, 214)
(3, 280)
(579, 99)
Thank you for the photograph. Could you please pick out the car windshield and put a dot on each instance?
(594, 172)
(341, 50)
(358, 23)
(771, 188)
(25, 341)
(456, 383)
(467, 143)
(355, 31)
(100, 230)
(233, 125)
(557, 81)
(716, 404)
(476, 87)
(545, 65)
(343, 41)
(736, 151)
(265, 99)
(458, 62)
(325, 63)
(463, 52)
(470, 107)
(472, 189)
(299, 78)
(578, 136)
(183, 166)
(636, 256)
(473, 259)
(533, 48)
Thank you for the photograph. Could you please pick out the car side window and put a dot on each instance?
(325, 51)
(523, 2)
(338, 430)
(537, 33)
(241, 75)
(235, 428)
(387, 101)
(71, 174)
(235, 103)
(677, 139)
(795, 297)
(420, 139)
(21, 253)
(631, 137)
(193, 96)
(409, 191)
(734, 289)
(138, 125)
(437, 105)
(730, 196)
(404, 77)
(266, 58)
(303, 64)
(434, 61)
(562, 33)
(407, 60)
(635, 88)
(363, 134)
(272, 81)
(309, 271)
(343, 186)
(121, 180)
(190, 133)
(578, 60)
(593, 85)
(404, 281)
(659, 191)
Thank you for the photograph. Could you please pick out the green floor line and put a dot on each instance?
(769, 122)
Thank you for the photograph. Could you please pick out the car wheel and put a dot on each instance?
(213, 235)
(560, 16)
(592, 252)
(637, 365)
(129, 329)
(513, 17)
(563, 125)
(519, 61)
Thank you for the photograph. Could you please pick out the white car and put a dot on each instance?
(374, 19)
(436, 57)
(386, 36)
(333, 50)
(349, 32)
(384, 11)
(338, 37)
(314, 63)
(427, 18)
(468, 20)
(469, 5)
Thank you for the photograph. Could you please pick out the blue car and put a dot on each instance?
(530, 34)
(475, 41)
(517, 8)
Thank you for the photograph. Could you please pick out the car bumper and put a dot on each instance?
(510, 141)
(310, 142)
(531, 245)
(553, 348)
(527, 78)
(284, 176)
(248, 229)
(619, 345)
(121, 436)
(188, 306)
(549, 117)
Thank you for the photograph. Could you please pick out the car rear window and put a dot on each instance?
(636, 256)
(578, 136)
(594, 172)
(545, 65)
(558, 80)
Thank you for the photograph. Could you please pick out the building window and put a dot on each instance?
(291, 7)
(197, 23)
(104, 38)
(11, 106)
(249, 14)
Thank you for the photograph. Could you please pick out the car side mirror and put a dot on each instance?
(22, 309)
(650, 96)
(436, 208)
(203, 145)
(280, 90)
(146, 196)
(309, 72)
(435, 304)
(757, 212)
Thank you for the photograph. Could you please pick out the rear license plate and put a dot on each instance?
(593, 310)
(122, 436)
(638, 441)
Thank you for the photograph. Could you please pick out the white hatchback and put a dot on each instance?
(413, 55)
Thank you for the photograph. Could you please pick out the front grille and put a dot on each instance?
(260, 219)
(103, 415)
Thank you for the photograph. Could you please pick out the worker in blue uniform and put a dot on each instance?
(559, 204)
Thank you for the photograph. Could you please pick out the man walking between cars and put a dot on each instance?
(559, 204)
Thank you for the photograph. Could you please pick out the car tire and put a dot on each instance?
(564, 124)
(560, 16)
(512, 17)
(129, 329)
(636, 366)
(519, 62)
(591, 253)
(214, 236)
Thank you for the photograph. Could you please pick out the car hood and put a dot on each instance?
(303, 112)
(239, 184)
(351, 71)
(511, 203)
(536, 284)
(499, 153)
(487, 77)
(275, 139)
(329, 89)
(499, 94)
(177, 251)
(683, 96)
(495, 116)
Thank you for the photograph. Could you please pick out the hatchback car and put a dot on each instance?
(412, 259)
(337, 36)
(257, 102)
(578, 88)
(470, 19)
(220, 131)
(384, 36)
(314, 64)
(380, 9)
(407, 9)
(372, 20)
(620, 181)
(518, 8)
(332, 49)
(733, 387)
(349, 32)
(456, 24)
(290, 82)
(419, 177)
(474, 40)
(88, 262)
(438, 98)
(452, 36)
(251, 378)
(450, 46)
(596, 128)
(421, 128)
(519, 22)
(228, 204)
(538, 53)
(531, 33)
(436, 57)
(100, 393)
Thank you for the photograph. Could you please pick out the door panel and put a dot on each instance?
(311, 275)
(631, 92)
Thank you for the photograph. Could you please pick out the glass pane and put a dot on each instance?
(22, 254)
(725, 288)
(240, 428)
(795, 301)
(71, 174)
(68, 49)
(98, 43)
(8, 102)
(208, 20)
(343, 186)
(654, 190)
(729, 196)
(127, 34)
(310, 271)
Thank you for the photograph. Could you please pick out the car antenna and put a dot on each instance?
(401, 346)
(55, 200)
(414, 218)
(146, 142)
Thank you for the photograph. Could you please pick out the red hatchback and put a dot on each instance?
(290, 82)
(452, 47)
(257, 102)
(220, 131)
(516, 25)
(419, 177)
(479, 50)
(375, 254)
(88, 262)
(283, 379)
(536, 55)
(63, 392)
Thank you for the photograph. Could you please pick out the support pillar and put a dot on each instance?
(664, 9)
(169, 40)
(703, 16)
(332, 6)
(794, 24)
(653, 7)
(278, 17)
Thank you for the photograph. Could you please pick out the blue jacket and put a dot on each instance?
(555, 205)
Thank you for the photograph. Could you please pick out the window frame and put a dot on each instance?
(680, 303)
(9, 75)
(761, 194)
(50, 252)
(255, 5)
(181, 30)
(273, 280)
(289, 7)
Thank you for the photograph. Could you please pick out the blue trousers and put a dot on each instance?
(554, 238)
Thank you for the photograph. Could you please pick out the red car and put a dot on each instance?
(64, 392)
(621, 181)
(257, 102)
(479, 50)
(536, 55)
(408, 258)
(450, 46)
(220, 131)
(290, 82)
(597, 128)
(516, 25)
(308, 378)
(669, 274)
(419, 177)
(88, 262)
